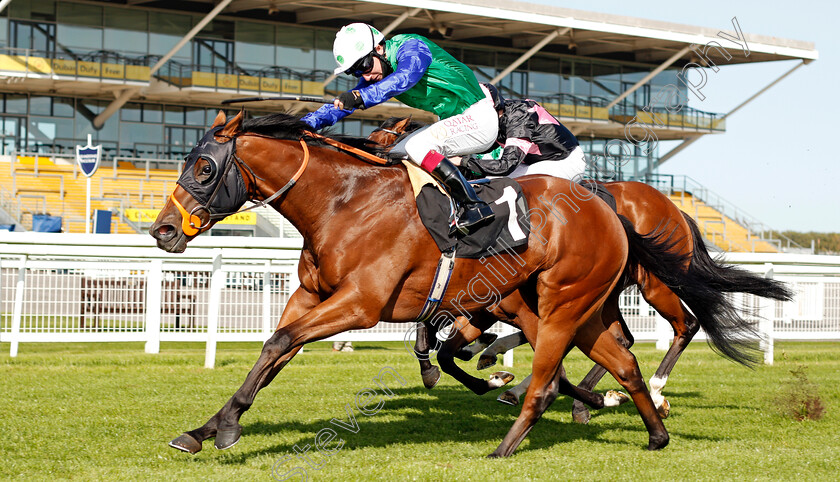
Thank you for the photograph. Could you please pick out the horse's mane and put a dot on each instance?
(281, 125)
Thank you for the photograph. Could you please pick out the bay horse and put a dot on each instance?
(367, 257)
(649, 211)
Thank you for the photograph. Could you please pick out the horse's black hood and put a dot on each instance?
(231, 194)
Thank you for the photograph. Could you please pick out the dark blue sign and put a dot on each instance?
(88, 158)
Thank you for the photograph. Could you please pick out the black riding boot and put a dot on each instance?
(474, 210)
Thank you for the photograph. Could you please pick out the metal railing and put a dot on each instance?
(64, 288)
(681, 185)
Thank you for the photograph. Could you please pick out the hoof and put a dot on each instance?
(431, 377)
(581, 416)
(665, 409)
(658, 442)
(614, 398)
(508, 398)
(500, 379)
(496, 455)
(186, 443)
(227, 438)
(485, 361)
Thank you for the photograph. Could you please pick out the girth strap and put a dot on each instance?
(439, 284)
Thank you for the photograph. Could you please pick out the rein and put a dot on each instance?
(191, 223)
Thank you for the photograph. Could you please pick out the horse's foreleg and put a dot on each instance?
(343, 311)
(603, 348)
(468, 331)
(422, 346)
(618, 328)
(549, 352)
(685, 327)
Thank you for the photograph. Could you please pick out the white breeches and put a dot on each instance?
(571, 167)
(473, 131)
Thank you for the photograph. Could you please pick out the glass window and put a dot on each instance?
(295, 48)
(79, 37)
(194, 116)
(218, 29)
(140, 138)
(131, 112)
(324, 59)
(33, 9)
(63, 107)
(606, 81)
(49, 131)
(126, 30)
(80, 14)
(213, 55)
(40, 105)
(166, 30)
(152, 114)
(86, 111)
(16, 104)
(4, 31)
(36, 36)
(254, 44)
(580, 80)
(174, 115)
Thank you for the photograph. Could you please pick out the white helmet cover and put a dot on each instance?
(353, 42)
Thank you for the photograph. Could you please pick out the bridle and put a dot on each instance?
(191, 223)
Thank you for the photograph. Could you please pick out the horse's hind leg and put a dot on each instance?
(603, 348)
(685, 327)
(488, 358)
(483, 341)
(465, 333)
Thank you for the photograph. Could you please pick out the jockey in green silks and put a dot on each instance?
(418, 73)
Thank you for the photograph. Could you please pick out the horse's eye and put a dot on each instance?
(204, 170)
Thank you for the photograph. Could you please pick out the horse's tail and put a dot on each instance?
(730, 279)
(727, 331)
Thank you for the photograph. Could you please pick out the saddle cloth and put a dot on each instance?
(509, 229)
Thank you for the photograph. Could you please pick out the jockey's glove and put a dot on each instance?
(470, 168)
(352, 100)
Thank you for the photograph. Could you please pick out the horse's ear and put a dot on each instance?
(234, 125)
(219, 120)
(401, 125)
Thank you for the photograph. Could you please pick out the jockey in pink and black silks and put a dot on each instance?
(418, 73)
(533, 141)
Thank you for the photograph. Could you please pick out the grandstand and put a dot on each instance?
(144, 78)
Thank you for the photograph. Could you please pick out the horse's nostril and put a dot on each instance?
(162, 232)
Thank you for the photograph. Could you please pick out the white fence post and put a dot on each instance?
(266, 300)
(507, 359)
(767, 315)
(664, 331)
(217, 282)
(18, 309)
(154, 285)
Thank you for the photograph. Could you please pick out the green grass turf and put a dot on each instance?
(106, 411)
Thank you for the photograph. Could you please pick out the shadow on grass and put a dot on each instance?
(453, 416)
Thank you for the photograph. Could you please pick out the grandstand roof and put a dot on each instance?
(523, 25)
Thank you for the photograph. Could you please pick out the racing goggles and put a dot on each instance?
(362, 66)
